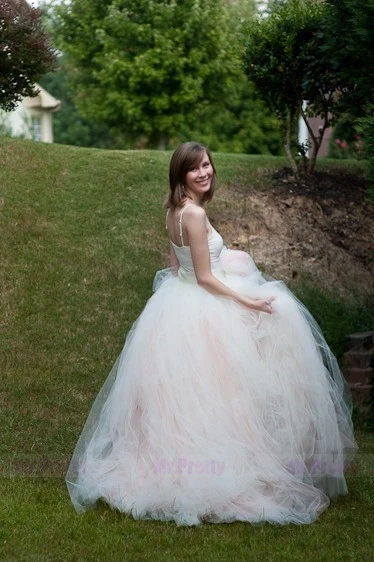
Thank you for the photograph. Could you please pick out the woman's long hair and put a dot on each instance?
(185, 158)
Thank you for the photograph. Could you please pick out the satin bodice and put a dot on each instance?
(183, 253)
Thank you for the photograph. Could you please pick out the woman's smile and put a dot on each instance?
(198, 180)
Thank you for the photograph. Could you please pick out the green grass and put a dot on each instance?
(40, 524)
(81, 235)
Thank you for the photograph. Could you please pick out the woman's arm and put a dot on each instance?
(195, 225)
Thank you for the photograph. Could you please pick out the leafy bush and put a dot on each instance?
(345, 141)
(365, 126)
(25, 53)
(336, 316)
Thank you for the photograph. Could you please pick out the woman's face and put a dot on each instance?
(199, 179)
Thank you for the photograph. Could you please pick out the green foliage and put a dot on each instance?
(5, 130)
(69, 127)
(284, 59)
(235, 122)
(337, 316)
(241, 124)
(349, 44)
(25, 53)
(142, 66)
(346, 142)
(365, 126)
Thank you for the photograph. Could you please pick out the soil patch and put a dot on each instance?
(320, 226)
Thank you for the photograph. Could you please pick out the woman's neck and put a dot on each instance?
(190, 199)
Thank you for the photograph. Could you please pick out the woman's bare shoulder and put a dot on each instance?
(194, 211)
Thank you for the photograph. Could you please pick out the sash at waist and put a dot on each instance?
(190, 277)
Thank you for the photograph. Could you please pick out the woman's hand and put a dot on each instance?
(261, 305)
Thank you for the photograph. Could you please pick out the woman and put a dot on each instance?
(226, 402)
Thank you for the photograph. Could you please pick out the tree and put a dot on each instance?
(142, 66)
(284, 58)
(241, 124)
(350, 43)
(69, 127)
(237, 122)
(25, 53)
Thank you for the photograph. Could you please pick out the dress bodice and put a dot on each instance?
(183, 253)
(186, 268)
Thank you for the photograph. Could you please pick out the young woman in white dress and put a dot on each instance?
(226, 403)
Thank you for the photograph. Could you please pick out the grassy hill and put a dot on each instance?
(81, 235)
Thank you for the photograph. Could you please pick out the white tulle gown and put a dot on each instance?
(215, 412)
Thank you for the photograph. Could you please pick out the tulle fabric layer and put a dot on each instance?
(215, 412)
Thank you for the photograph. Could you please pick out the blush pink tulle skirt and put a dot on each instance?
(217, 413)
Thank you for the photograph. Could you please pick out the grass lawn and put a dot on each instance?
(81, 235)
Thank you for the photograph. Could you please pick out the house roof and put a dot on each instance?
(43, 100)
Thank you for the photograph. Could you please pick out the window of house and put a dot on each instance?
(36, 128)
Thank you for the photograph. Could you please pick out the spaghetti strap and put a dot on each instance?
(180, 221)
(166, 218)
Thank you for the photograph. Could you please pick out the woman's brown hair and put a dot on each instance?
(185, 158)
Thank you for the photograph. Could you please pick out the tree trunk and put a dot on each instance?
(162, 142)
(313, 158)
(287, 146)
(316, 140)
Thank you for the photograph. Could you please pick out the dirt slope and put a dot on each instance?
(321, 226)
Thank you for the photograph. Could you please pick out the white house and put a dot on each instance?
(32, 118)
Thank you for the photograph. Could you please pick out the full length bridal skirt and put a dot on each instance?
(215, 412)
